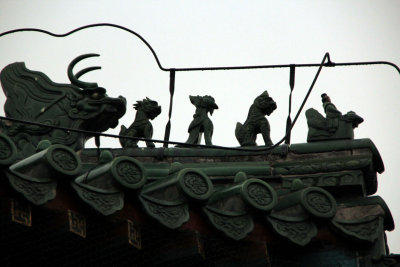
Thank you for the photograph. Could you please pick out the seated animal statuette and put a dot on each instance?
(147, 110)
(256, 122)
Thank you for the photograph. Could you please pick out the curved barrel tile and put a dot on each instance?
(129, 172)
(36, 177)
(230, 209)
(167, 199)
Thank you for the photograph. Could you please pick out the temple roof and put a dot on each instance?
(292, 191)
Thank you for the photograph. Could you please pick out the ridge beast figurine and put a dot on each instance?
(256, 122)
(147, 110)
(334, 126)
(32, 96)
(201, 123)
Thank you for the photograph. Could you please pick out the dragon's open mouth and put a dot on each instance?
(110, 110)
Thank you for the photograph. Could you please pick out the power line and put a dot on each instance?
(96, 134)
(326, 62)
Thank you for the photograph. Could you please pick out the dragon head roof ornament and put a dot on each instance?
(32, 96)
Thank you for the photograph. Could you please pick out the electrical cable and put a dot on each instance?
(96, 134)
(328, 64)
(172, 71)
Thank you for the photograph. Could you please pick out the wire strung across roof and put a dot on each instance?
(98, 134)
(326, 62)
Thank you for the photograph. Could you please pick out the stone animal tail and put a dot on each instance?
(237, 132)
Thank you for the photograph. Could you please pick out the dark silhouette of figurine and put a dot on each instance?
(201, 123)
(147, 110)
(334, 126)
(256, 122)
(329, 108)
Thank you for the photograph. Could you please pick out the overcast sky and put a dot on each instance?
(227, 33)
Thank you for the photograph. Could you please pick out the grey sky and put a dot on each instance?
(227, 33)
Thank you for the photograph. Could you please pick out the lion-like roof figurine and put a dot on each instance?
(256, 122)
(147, 110)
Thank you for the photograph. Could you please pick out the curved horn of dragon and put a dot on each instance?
(75, 78)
